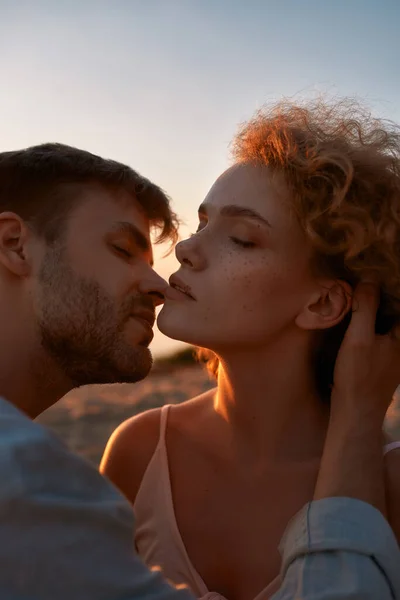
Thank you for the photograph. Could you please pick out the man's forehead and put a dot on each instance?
(102, 207)
(102, 211)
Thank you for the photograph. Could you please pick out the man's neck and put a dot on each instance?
(29, 380)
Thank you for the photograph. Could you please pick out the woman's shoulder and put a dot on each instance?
(129, 451)
(196, 404)
(132, 445)
(189, 416)
(392, 478)
(392, 462)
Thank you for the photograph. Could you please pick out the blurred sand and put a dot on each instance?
(85, 418)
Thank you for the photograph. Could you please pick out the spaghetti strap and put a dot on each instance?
(392, 446)
(163, 423)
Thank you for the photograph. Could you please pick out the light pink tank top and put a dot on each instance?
(158, 540)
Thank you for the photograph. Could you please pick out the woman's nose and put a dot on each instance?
(190, 254)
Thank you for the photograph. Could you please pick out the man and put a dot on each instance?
(77, 299)
(78, 291)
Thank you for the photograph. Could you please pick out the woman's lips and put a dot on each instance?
(173, 293)
(180, 287)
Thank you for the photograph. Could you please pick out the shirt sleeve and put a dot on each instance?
(65, 532)
(339, 549)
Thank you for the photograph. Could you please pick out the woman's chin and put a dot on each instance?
(174, 327)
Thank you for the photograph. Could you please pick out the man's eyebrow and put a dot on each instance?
(138, 238)
(233, 210)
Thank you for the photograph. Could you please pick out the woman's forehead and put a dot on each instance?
(253, 187)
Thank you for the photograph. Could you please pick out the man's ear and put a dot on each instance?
(327, 307)
(14, 236)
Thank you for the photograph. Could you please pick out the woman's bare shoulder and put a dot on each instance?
(129, 451)
(132, 445)
(192, 413)
(195, 404)
(392, 476)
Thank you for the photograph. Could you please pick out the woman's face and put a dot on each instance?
(247, 268)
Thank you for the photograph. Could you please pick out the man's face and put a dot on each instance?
(96, 292)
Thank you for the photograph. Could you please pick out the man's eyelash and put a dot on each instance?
(122, 251)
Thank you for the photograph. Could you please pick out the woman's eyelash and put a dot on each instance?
(242, 243)
(194, 233)
(237, 241)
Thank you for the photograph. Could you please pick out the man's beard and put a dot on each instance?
(82, 330)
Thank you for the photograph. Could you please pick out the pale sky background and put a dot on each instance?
(163, 84)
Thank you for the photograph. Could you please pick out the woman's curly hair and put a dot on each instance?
(342, 168)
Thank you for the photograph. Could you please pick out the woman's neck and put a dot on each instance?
(269, 400)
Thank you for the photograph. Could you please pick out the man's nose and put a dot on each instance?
(154, 286)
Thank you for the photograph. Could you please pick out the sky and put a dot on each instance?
(162, 85)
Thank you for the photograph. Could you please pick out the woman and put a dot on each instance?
(310, 207)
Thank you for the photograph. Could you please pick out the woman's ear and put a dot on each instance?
(327, 307)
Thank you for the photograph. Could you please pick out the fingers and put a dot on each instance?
(364, 308)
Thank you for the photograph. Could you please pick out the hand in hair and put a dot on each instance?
(365, 378)
(367, 369)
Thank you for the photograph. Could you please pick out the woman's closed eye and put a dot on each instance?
(243, 243)
(236, 240)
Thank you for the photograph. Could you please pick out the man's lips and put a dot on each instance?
(146, 318)
(177, 285)
(145, 315)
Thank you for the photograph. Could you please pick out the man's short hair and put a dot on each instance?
(42, 184)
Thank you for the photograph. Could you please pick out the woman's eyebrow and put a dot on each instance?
(233, 210)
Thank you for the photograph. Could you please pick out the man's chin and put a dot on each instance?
(127, 370)
(138, 374)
